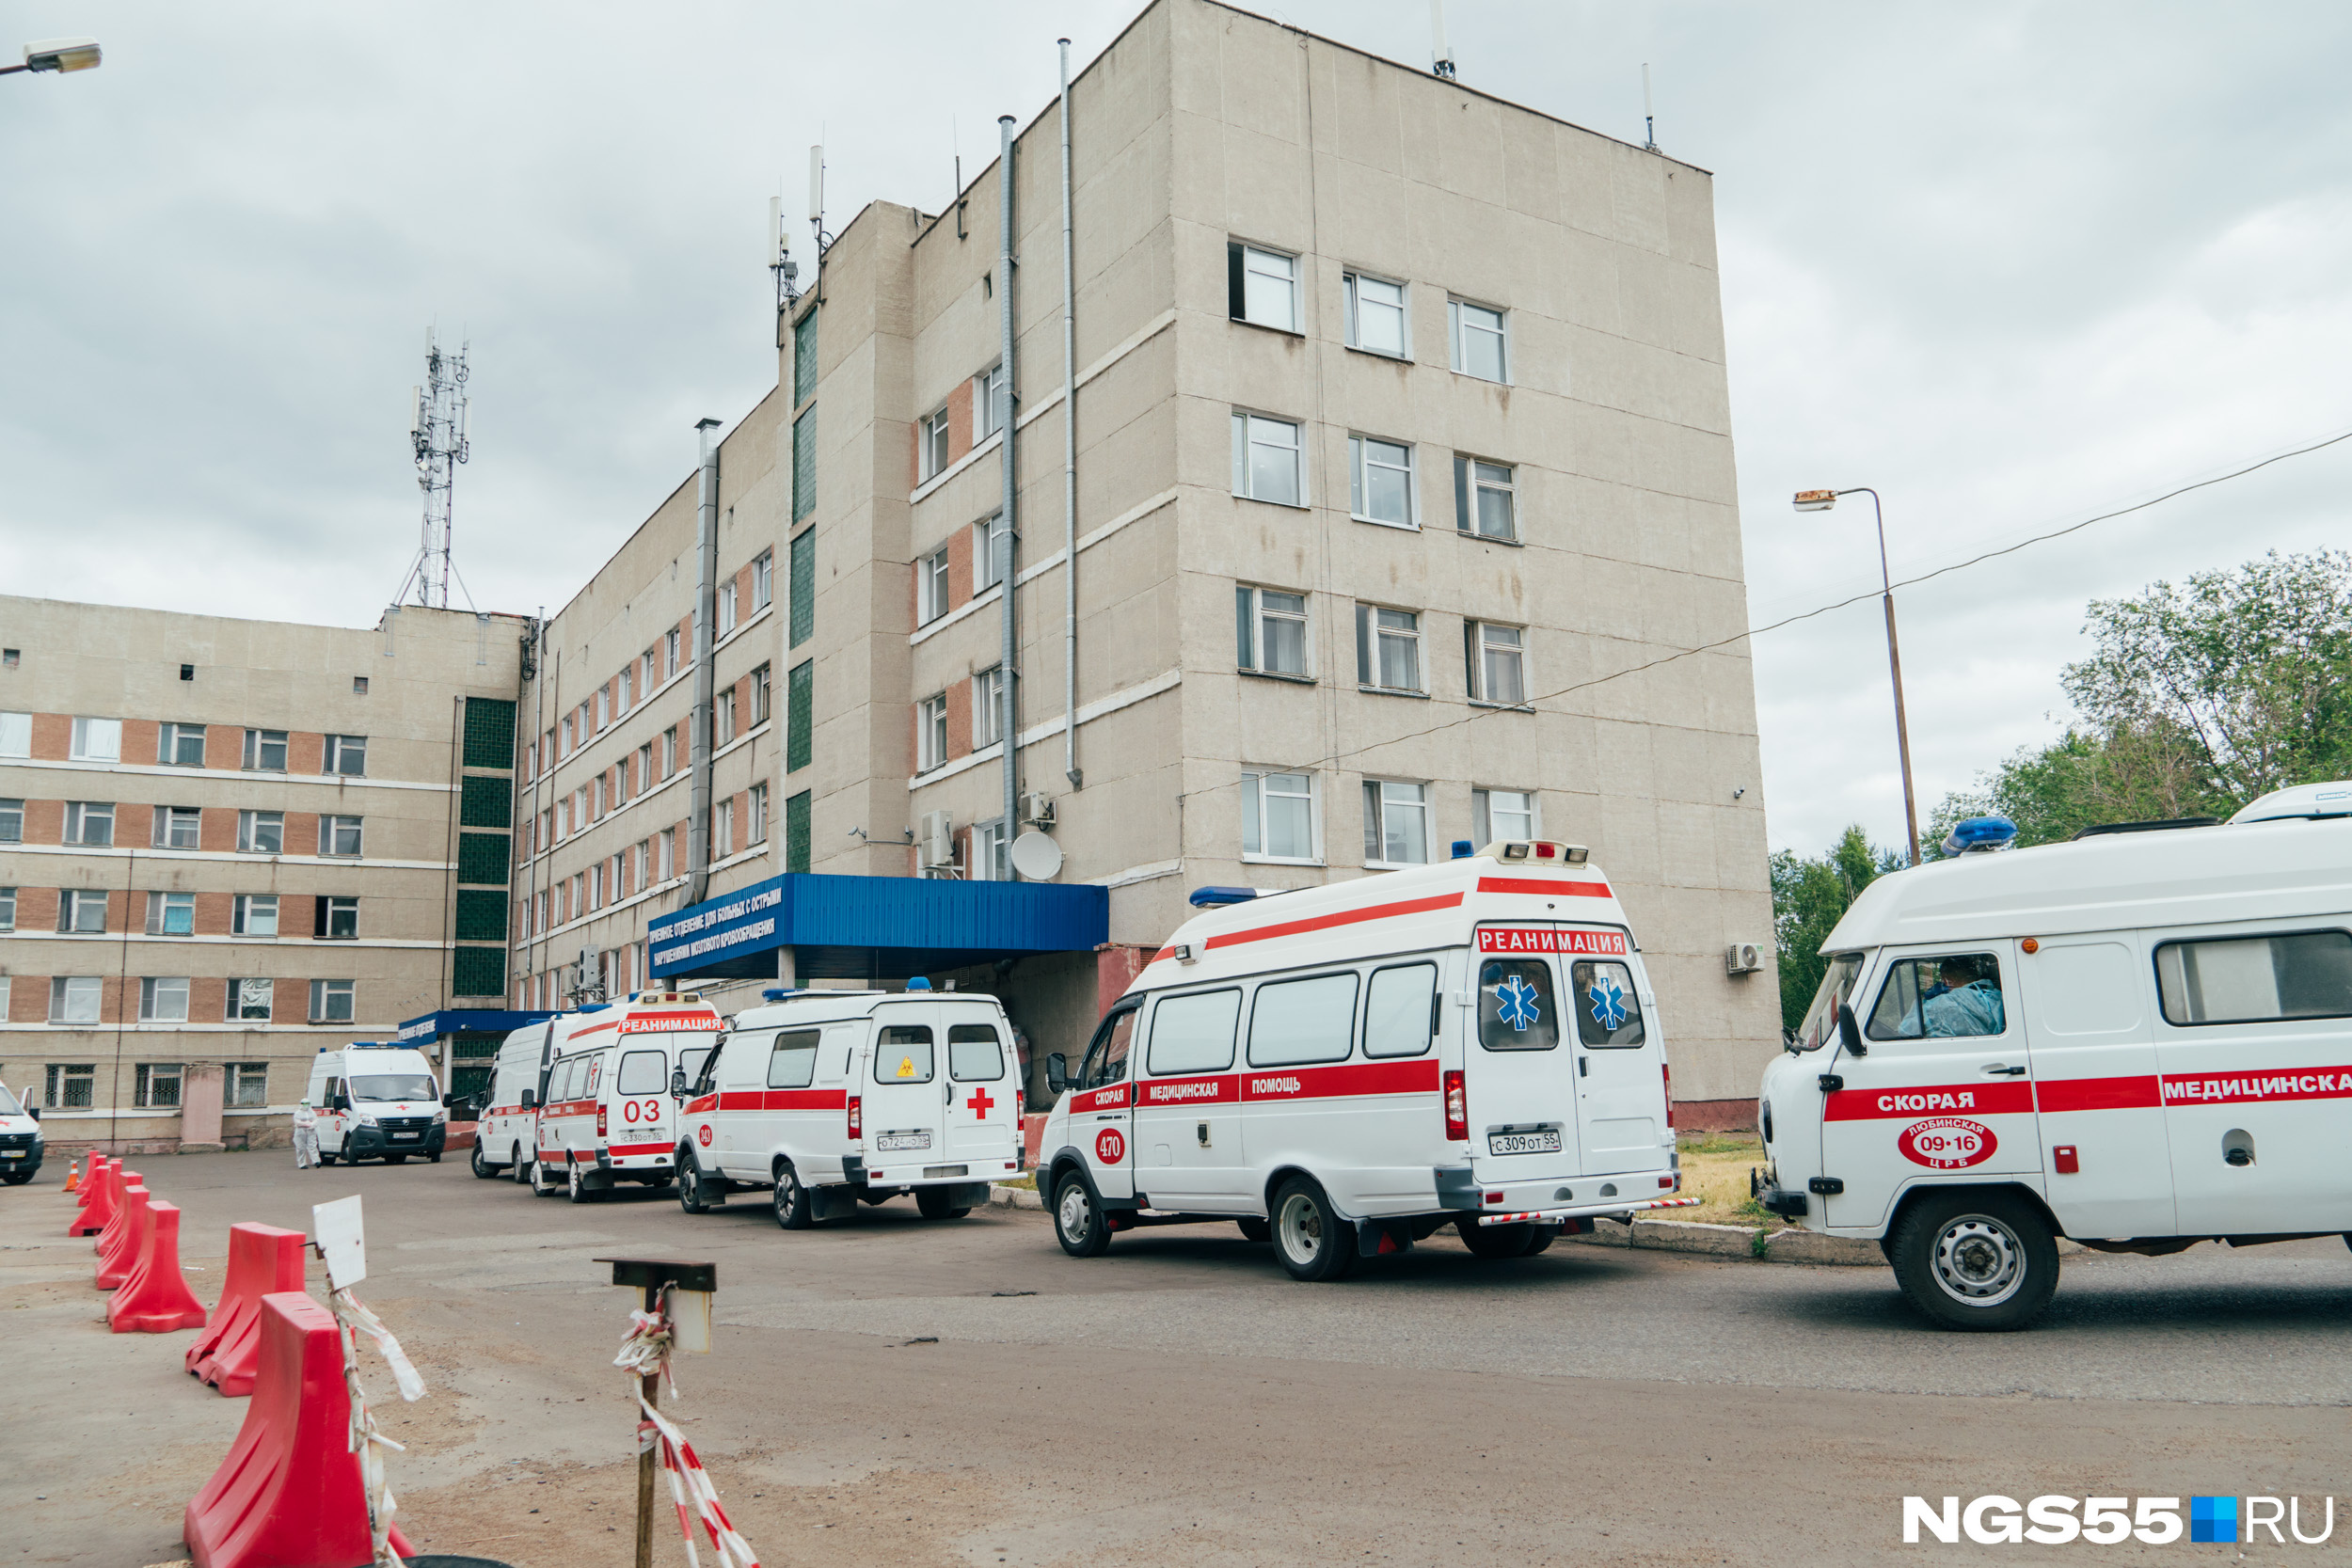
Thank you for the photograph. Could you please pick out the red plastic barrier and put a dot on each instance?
(122, 1252)
(119, 1182)
(289, 1494)
(156, 1298)
(97, 1198)
(262, 1260)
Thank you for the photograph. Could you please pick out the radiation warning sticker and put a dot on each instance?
(906, 1066)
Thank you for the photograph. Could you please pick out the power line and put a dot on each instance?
(1802, 615)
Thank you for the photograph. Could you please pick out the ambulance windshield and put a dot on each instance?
(1820, 1020)
(8, 1107)
(393, 1086)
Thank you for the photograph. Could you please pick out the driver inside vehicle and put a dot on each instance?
(1965, 1002)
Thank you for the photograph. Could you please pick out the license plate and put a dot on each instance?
(1545, 1140)
(890, 1142)
(408, 1135)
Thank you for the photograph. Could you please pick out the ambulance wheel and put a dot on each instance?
(579, 1192)
(794, 1211)
(1545, 1235)
(1311, 1239)
(1255, 1230)
(540, 1184)
(1976, 1261)
(327, 1157)
(689, 1186)
(1078, 1221)
(433, 1158)
(1495, 1241)
(932, 1202)
(17, 1177)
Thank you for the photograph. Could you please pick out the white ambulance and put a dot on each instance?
(19, 1140)
(2139, 1040)
(377, 1103)
(1347, 1069)
(830, 1099)
(606, 1110)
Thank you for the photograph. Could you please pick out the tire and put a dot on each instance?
(17, 1177)
(1078, 1221)
(395, 1159)
(1492, 1241)
(578, 1189)
(794, 1211)
(542, 1185)
(521, 1166)
(327, 1157)
(932, 1202)
(1311, 1239)
(433, 1158)
(1255, 1230)
(1983, 1262)
(689, 1185)
(1545, 1236)
(481, 1167)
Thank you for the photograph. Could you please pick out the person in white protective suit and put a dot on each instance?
(306, 1137)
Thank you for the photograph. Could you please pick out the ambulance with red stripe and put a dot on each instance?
(606, 1111)
(2138, 1040)
(1345, 1069)
(830, 1099)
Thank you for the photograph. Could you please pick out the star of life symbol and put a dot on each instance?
(1608, 1003)
(1514, 1002)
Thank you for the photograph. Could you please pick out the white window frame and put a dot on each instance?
(1370, 633)
(991, 852)
(73, 902)
(160, 908)
(1378, 806)
(1479, 646)
(721, 832)
(7, 918)
(13, 820)
(728, 622)
(991, 402)
(171, 819)
(755, 817)
(80, 814)
(251, 990)
(250, 825)
(932, 587)
(97, 741)
(1253, 800)
(763, 580)
(16, 735)
(258, 745)
(1482, 815)
(930, 732)
(1249, 630)
(168, 740)
(254, 915)
(149, 1080)
(244, 1085)
(330, 827)
(1254, 432)
(346, 757)
(987, 535)
(932, 444)
(1362, 460)
(163, 999)
(323, 913)
(988, 706)
(325, 993)
(76, 998)
(668, 751)
(1279, 271)
(1354, 282)
(1457, 330)
(1469, 485)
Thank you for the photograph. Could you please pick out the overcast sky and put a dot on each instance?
(2010, 264)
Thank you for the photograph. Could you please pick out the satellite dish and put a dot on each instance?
(1037, 857)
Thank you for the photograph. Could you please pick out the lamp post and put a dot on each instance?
(58, 54)
(1821, 500)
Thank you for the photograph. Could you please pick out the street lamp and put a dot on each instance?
(58, 54)
(1821, 500)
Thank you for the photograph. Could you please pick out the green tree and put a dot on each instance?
(1808, 897)
(2195, 700)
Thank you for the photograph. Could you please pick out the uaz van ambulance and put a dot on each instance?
(19, 1140)
(601, 1112)
(830, 1099)
(377, 1103)
(1347, 1069)
(2139, 1040)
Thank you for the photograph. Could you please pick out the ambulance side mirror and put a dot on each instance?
(1850, 1032)
(340, 1102)
(531, 1099)
(1057, 1073)
(677, 1083)
(33, 1111)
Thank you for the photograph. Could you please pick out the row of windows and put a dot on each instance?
(1281, 819)
(934, 437)
(82, 911)
(1383, 482)
(92, 824)
(1262, 288)
(934, 581)
(78, 999)
(156, 1085)
(1273, 635)
(182, 745)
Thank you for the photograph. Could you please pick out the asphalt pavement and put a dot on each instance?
(961, 1392)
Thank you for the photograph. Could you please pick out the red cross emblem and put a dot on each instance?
(979, 1102)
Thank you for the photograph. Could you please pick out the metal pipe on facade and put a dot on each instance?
(1069, 458)
(1009, 722)
(706, 618)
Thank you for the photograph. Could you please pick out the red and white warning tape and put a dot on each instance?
(352, 1314)
(646, 1350)
(1531, 1215)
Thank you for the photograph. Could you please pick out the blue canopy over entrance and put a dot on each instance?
(850, 927)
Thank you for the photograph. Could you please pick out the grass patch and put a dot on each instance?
(1715, 1169)
(1026, 1183)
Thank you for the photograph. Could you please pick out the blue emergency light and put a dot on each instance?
(1208, 898)
(1464, 848)
(919, 983)
(1978, 834)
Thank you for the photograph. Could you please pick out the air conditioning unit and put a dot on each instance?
(937, 837)
(1038, 809)
(1743, 957)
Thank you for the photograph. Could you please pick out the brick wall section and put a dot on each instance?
(208, 1000)
(959, 421)
(139, 741)
(52, 737)
(44, 821)
(215, 913)
(302, 832)
(36, 909)
(958, 718)
(216, 831)
(306, 752)
(958, 567)
(224, 747)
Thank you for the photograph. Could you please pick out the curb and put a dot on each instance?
(1014, 1197)
(1734, 1240)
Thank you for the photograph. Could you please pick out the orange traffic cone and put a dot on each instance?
(73, 1177)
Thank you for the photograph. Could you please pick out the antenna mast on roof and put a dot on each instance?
(1440, 52)
(1649, 121)
(436, 434)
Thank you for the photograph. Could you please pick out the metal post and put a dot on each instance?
(1008, 719)
(1069, 457)
(1895, 668)
(648, 1460)
(706, 630)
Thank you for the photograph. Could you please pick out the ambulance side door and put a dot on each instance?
(983, 1098)
(795, 1117)
(736, 1125)
(2090, 1025)
(1187, 1117)
(1101, 1103)
(905, 1103)
(1924, 1103)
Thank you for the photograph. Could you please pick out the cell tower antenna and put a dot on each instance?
(1649, 115)
(436, 435)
